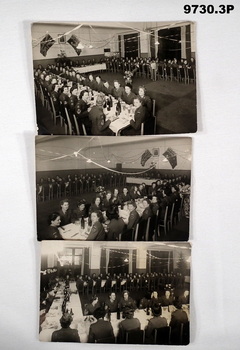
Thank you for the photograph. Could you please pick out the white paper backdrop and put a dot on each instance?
(215, 232)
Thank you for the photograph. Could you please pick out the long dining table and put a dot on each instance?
(75, 231)
(82, 323)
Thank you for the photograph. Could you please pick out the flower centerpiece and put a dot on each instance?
(128, 77)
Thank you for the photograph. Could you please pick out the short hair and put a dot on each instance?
(156, 310)
(74, 87)
(137, 98)
(99, 100)
(52, 217)
(129, 85)
(142, 87)
(132, 203)
(112, 213)
(81, 201)
(99, 313)
(128, 312)
(82, 93)
(64, 201)
(66, 320)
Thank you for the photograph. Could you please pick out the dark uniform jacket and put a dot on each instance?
(66, 335)
(99, 125)
(154, 323)
(97, 232)
(100, 330)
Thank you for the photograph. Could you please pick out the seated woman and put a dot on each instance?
(65, 213)
(96, 206)
(115, 226)
(92, 306)
(107, 201)
(138, 119)
(54, 222)
(115, 197)
(80, 212)
(134, 192)
(145, 100)
(97, 232)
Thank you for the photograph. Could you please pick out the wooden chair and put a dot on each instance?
(135, 232)
(55, 115)
(147, 229)
(162, 336)
(135, 337)
(76, 127)
(164, 222)
(109, 340)
(171, 216)
(69, 124)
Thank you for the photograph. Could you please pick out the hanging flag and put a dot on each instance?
(171, 156)
(45, 44)
(145, 156)
(73, 41)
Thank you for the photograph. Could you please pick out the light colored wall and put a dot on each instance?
(124, 153)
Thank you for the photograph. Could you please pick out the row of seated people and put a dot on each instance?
(71, 94)
(55, 187)
(129, 329)
(115, 216)
(114, 281)
(127, 306)
(133, 282)
(143, 66)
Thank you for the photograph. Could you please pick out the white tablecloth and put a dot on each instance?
(93, 68)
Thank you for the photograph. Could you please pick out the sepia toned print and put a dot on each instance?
(114, 189)
(106, 292)
(112, 78)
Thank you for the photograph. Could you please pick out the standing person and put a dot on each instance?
(66, 334)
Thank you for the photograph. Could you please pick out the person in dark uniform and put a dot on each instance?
(66, 334)
(125, 196)
(184, 299)
(99, 84)
(126, 301)
(178, 317)
(99, 124)
(112, 303)
(132, 221)
(167, 300)
(107, 89)
(116, 225)
(80, 212)
(155, 323)
(54, 221)
(101, 330)
(128, 96)
(65, 213)
(129, 324)
(92, 306)
(117, 90)
(97, 232)
(139, 118)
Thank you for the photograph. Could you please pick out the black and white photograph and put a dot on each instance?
(111, 188)
(115, 292)
(115, 78)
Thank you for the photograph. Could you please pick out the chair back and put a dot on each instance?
(162, 336)
(69, 124)
(135, 232)
(109, 340)
(185, 334)
(135, 337)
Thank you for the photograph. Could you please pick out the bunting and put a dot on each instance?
(171, 156)
(73, 41)
(45, 44)
(145, 156)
